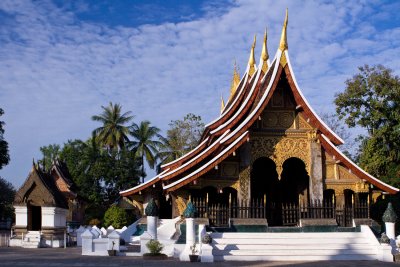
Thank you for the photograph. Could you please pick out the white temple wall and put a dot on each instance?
(21, 216)
(54, 217)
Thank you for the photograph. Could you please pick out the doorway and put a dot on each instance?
(34, 218)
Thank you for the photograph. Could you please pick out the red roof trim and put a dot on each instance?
(208, 168)
(331, 149)
(306, 109)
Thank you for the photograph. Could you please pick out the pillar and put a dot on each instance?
(152, 226)
(113, 238)
(190, 239)
(190, 231)
(87, 242)
(316, 183)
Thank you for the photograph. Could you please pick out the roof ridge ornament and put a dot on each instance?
(284, 44)
(252, 61)
(264, 54)
(235, 81)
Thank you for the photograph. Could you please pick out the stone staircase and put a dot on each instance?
(32, 240)
(293, 246)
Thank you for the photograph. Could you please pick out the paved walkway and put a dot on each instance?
(71, 257)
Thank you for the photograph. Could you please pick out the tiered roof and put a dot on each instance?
(228, 132)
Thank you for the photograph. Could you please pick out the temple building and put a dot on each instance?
(44, 205)
(266, 155)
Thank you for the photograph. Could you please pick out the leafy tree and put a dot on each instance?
(50, 154)
(81, 158)
(4, 156)
(371, 100)
(117, 217)
(145, 143)
(166, 153)
(100, 175)
(340, 129)
(114, 132)
(182, 137)
(7, 193)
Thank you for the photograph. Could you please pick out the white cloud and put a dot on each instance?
(56, 71)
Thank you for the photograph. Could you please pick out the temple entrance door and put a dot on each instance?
(34, 218)
(165, 207)
(295, 189)
(265, 189)
(294, 182)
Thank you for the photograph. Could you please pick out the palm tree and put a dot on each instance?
(145, 143)
(167, 152)
(113, 133)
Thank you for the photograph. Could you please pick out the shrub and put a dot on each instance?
(95, 221)
(193, 249)
(154, 246)
(115, 216)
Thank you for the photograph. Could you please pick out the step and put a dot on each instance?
(294, 257)
(271, 247)
(288, 235)
(30, 244)
(294, 241)
(294, 252)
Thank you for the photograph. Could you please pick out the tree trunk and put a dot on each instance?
(142, 169)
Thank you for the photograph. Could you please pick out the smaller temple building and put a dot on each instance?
(43, 205)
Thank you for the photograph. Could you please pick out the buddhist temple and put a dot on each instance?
(44, 205)
(267, 154)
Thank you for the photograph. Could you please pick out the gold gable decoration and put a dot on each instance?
(279, 149)
(252, 61)
(283, 45)
(264, 54)
(235, 82)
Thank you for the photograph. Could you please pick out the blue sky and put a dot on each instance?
(61, 60)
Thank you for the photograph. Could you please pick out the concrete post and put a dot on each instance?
(87, 242)
(79, 232)
(390, 218)
(202, 232)
(205, 249)
(113, 237)
(152, 226)
(316, 183)
(190, 239)
(190, 231)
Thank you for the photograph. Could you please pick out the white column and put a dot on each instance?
(190, 239)
(152, 226)
(53, 217)
(113, 237)
(21, 216)
(87, 242)
(391, 233)
(190, 232)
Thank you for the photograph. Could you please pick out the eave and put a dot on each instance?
(142, 186)
(333, 150)
(209, 165)
(315, 120)
(195, 160)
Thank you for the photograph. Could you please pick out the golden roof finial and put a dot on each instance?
(283, 44)
(222, 104)
(252, 61)
(264, 53)
(235, 81)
